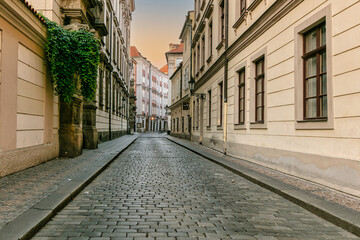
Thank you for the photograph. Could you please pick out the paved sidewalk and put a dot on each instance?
(37, 193)
(336, 207)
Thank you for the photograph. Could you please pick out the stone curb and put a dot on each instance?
(27, 224)
(334, 213)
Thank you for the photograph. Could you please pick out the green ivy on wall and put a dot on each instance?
(74, 59)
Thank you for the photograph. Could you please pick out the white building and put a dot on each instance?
(151, 94)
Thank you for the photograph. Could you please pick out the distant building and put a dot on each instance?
(173, 58)
(152, 91)
(180, 95)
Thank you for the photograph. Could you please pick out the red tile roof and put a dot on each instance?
(134, 52)
(32, 9)
(180, 49)
(165, 69)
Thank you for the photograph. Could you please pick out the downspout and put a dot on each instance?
(181, 82)
(111, 28)
(150, 100)
(191, 108)
(226, 66)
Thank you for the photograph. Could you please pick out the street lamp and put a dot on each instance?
(192, 85)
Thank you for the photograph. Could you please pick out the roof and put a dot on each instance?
(32, 9)
(134, 52)
(180, 49)
(165, 69)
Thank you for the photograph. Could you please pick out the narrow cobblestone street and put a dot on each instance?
(158, 190)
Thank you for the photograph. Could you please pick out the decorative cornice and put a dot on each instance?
(202, 23)
(268, 19)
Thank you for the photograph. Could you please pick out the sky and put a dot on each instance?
(156, 24)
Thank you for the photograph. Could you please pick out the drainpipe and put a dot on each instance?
(190, 103)
(226, 66)
(150, 100)
(110, 43)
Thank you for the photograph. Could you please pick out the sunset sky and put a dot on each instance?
(156, 23)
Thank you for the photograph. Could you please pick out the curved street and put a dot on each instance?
(158, 190)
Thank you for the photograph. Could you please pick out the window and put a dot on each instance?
(107, 91)
(182, 124)
(114, 46)
(242, 7)
(259, 90)
(241, 96)
(315, 77)
(314, 103)
(210, 38)
(220, 103)
(197, 113)
(114, 97)
(194, 64)
(198, 58)
(117, 102)
(209, 108)
(222, 19)
(203, 52)
(101, 88)
(107, 28)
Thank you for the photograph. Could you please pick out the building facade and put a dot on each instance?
(180, 96)
(112, 115)
(152, 92)
(35, 125)
(275, 84)
(28, 107)
(173, 59)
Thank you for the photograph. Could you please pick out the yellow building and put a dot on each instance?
(275, 84)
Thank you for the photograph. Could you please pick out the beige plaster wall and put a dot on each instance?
(28, 112)
(328, 156)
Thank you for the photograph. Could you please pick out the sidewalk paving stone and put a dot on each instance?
(40, 191)
(334, 206)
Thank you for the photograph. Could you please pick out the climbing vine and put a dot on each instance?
(74, 59)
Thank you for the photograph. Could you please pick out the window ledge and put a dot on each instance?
(239, 126)
(240, 20)
(313, 120)
(314, 124)
(208, 128)
(220, 45)
(258, 125)
(220, 127)
(209, 59)
(202, 68)
(253, 5)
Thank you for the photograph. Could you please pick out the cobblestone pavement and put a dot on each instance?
(22, 190)
(158, 190)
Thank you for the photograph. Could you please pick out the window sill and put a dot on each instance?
(220, 45)
(208, 128)
(258, 125)
(220, 127)
(314, 124)
(253, 5)
(202, 68)
(209, 59)
(239, 126)
(240, 20)
(313, 120)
